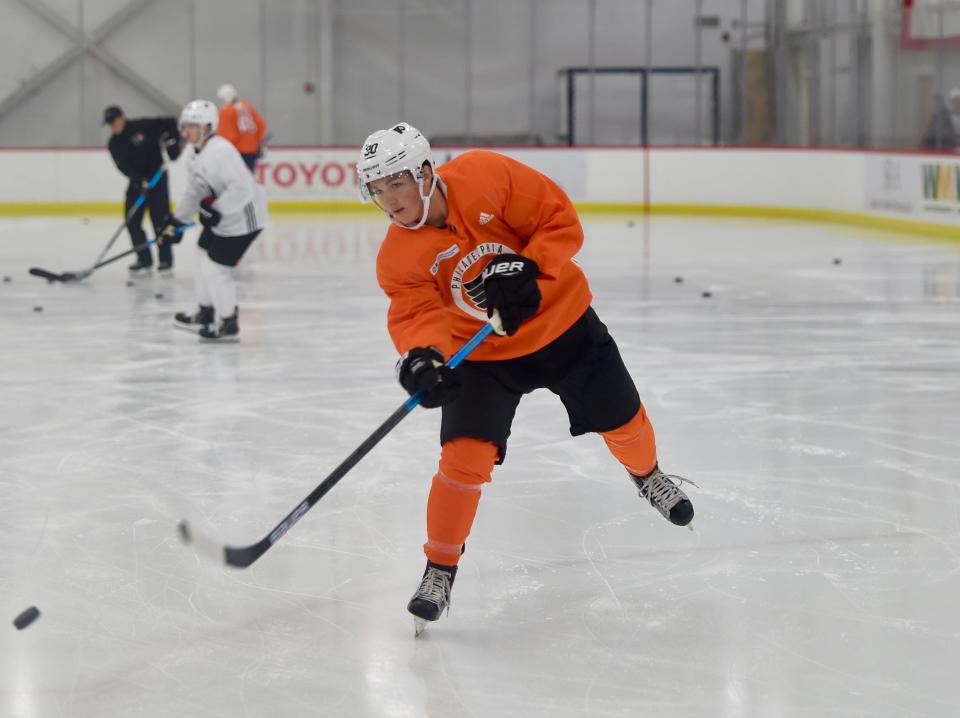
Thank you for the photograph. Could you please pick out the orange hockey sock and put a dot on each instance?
(634, 444)
(465, 465)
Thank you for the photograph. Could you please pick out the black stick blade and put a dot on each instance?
(244, 557)
(49, 276)
(217, 552)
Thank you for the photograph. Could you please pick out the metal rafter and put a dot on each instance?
(84, 43)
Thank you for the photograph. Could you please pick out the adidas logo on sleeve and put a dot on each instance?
(484, 217)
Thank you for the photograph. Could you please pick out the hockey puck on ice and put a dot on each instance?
(837, 260)
(706, 295)
(158, 295)
(678, 280)
(26, 618)
(631, 223)
(184, 531)
(6, 279)
(130, 283)
(38, 309)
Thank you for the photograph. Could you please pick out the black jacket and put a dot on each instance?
(136, 150)
(940, 134)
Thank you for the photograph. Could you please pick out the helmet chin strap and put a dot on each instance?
(202, 142)
(425, 199)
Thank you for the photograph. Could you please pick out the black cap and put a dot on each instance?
(111, 113)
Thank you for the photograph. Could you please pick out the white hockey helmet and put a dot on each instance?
(203, 113)
(402, 148)
(227, 94)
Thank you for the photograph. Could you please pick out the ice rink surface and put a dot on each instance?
(816, 404)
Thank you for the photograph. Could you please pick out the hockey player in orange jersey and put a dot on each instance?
(484, 234)
(241, 124)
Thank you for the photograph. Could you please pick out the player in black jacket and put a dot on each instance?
(135, 146)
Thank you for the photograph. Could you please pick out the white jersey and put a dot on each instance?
(218, 170)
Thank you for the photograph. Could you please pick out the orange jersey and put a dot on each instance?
(432, 275)
(243, 126)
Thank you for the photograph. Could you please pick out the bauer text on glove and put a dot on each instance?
(510, 285)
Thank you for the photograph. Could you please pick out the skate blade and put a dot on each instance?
(419, 626)
(220, 340)
(192, 328)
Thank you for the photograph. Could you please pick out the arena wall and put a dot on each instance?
(900, 191)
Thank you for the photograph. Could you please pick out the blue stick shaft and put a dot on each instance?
(148, 243)
(455, 360)
(150, 185)
(133, 209)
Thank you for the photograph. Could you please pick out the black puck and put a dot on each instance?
(130, 283)
(706, 295)
(26, 618)
(6, 279)
(678, 280)
(837, 260)
(158, 295)
(631, 223)
(38, 309)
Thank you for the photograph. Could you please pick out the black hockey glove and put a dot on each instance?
(422, 369)
(171, 143)
(510, 283)
(209, 217)
(171, 232)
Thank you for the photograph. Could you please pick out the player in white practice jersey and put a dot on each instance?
(233, 211)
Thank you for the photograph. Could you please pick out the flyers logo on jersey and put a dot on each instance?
(466, 283)
(485, 217)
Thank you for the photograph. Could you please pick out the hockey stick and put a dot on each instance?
(73, 276)
(84, 273)
(264, 143)
(241, 557)
(136, 205)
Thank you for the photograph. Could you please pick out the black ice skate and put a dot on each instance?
(194, 322)
(433, 596)
(665, 496)
(228, 331)
(140, 267)
(165, 269)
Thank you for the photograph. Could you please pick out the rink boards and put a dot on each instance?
(913, 192)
